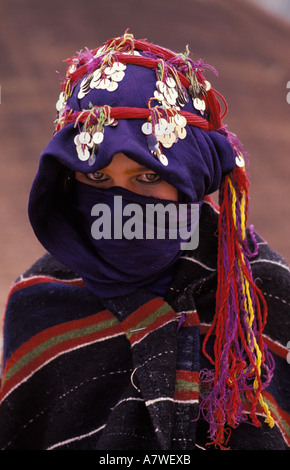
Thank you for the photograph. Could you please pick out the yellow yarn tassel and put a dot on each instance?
(248, 305)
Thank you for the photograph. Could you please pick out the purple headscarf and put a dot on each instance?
(141, 100)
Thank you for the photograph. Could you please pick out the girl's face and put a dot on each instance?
(129, 175)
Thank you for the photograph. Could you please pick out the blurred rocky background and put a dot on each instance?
(247, 42)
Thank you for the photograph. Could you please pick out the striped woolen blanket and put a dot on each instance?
(77, 376)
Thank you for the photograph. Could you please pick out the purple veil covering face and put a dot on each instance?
(141, 100)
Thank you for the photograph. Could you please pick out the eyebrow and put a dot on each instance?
(130, 171)
(137, 169)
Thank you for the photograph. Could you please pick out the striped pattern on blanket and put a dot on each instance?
(80, 375)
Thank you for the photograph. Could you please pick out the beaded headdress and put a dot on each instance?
(156, 106)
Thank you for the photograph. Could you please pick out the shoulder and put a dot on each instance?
(270, 271)
(46, 295)
(47, 270)
(265, 262)
(46, 282)
(47, 265)
(43, 279)
(271, 274)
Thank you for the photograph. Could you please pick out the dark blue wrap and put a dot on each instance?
(196, 164)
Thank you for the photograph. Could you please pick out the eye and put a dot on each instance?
(97, 177)
(148, 178)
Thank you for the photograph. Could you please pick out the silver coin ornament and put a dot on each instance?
(162, 158)
(88, 141)
(240, 162)
(61, 103)
(92, 159)
(147, 128)
(197, 93)
(84, 143)
(165, 132)
(83, 150)
(199, 104)
(98, 137)
(107, 79)
(84, 138)
(152, 142)
(169, 94)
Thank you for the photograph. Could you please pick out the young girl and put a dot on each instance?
(120, 339)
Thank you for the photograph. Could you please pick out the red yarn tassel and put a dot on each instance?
(238, 321)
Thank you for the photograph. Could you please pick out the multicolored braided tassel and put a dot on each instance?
(242, 365)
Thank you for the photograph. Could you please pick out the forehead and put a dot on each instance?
(121, 163)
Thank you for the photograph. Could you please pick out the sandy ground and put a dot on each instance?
(250, 50)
